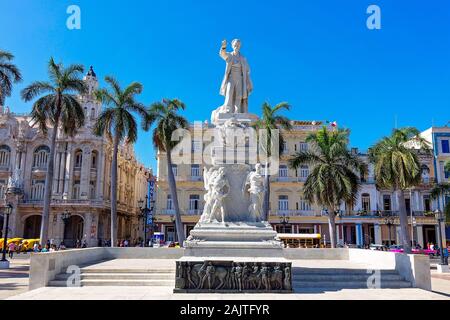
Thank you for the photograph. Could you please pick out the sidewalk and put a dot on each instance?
(14, 280)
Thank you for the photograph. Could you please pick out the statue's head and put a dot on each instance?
(257, 167)
(236, 45)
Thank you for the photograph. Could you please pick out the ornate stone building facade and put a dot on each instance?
(372, 219)
(81, 183)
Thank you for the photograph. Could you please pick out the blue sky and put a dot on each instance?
(316, 54)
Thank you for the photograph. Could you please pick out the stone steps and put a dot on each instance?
(117, 282)
(340, 271)
(351, 284)
(343, 277)
(303, 278)
(127, 276)
(130, 270)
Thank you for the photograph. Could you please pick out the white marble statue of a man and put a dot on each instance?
(254, 185)
(236, 84)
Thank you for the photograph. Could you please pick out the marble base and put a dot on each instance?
(241, 117)
(257, 239)
(220, 275)
(4, 264)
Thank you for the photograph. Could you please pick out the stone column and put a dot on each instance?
(378, 236)
(419, 233)
(397, 235)
(87, 227)
(85, 177)
(56, 172)
(359, 234)
(12, 197)
(68, 176)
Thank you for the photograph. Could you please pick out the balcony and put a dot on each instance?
(195, 212)
(195, 178)
(295, 213)
(6, 168)
(166, 211)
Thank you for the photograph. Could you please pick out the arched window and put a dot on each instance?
(92, 113)
(5, 156)
(365, 202)
(78, 159)
(40, 157)
(94, 160)
(37, 190)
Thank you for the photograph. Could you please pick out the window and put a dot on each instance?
(195, 170)
(40, 157)
(445, 146)
(76, 190)
(386, 202)
(446, 173)
(92, 189)
(94, 160)
(196, 146)
(37, 189)
(304, 205)
(283, 203)
(365, 202)
(78, 159)
(5, 155)
(426, 203)
(303, 146)
(92, 113)
(194, 202)
(283, 171)
(169, 202)
(3, 186)
(304, 172)
(175, 170)
(284, 147)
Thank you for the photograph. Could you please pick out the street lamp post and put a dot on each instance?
(389, 222)
(65, 218)
(440, 218)
(284, 220)
(145, 210)
(8, 210)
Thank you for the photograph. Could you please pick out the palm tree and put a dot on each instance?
(9, 74)
(58, 107)
(447, 166)
(397, 167)
(269, 122)
(335, 172)
(117, 122)
(439, 192)
(165, 115)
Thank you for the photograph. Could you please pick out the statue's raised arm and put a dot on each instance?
(223, 50)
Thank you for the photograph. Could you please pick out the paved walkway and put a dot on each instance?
(441, 287)
(14, 280)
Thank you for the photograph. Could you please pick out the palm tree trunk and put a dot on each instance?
(114, 191)
(332, 227)
(49, 180)
(403, 215)
(173, 192)
(266, 193)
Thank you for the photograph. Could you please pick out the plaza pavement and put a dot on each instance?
(16, 287)
(15, 279)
